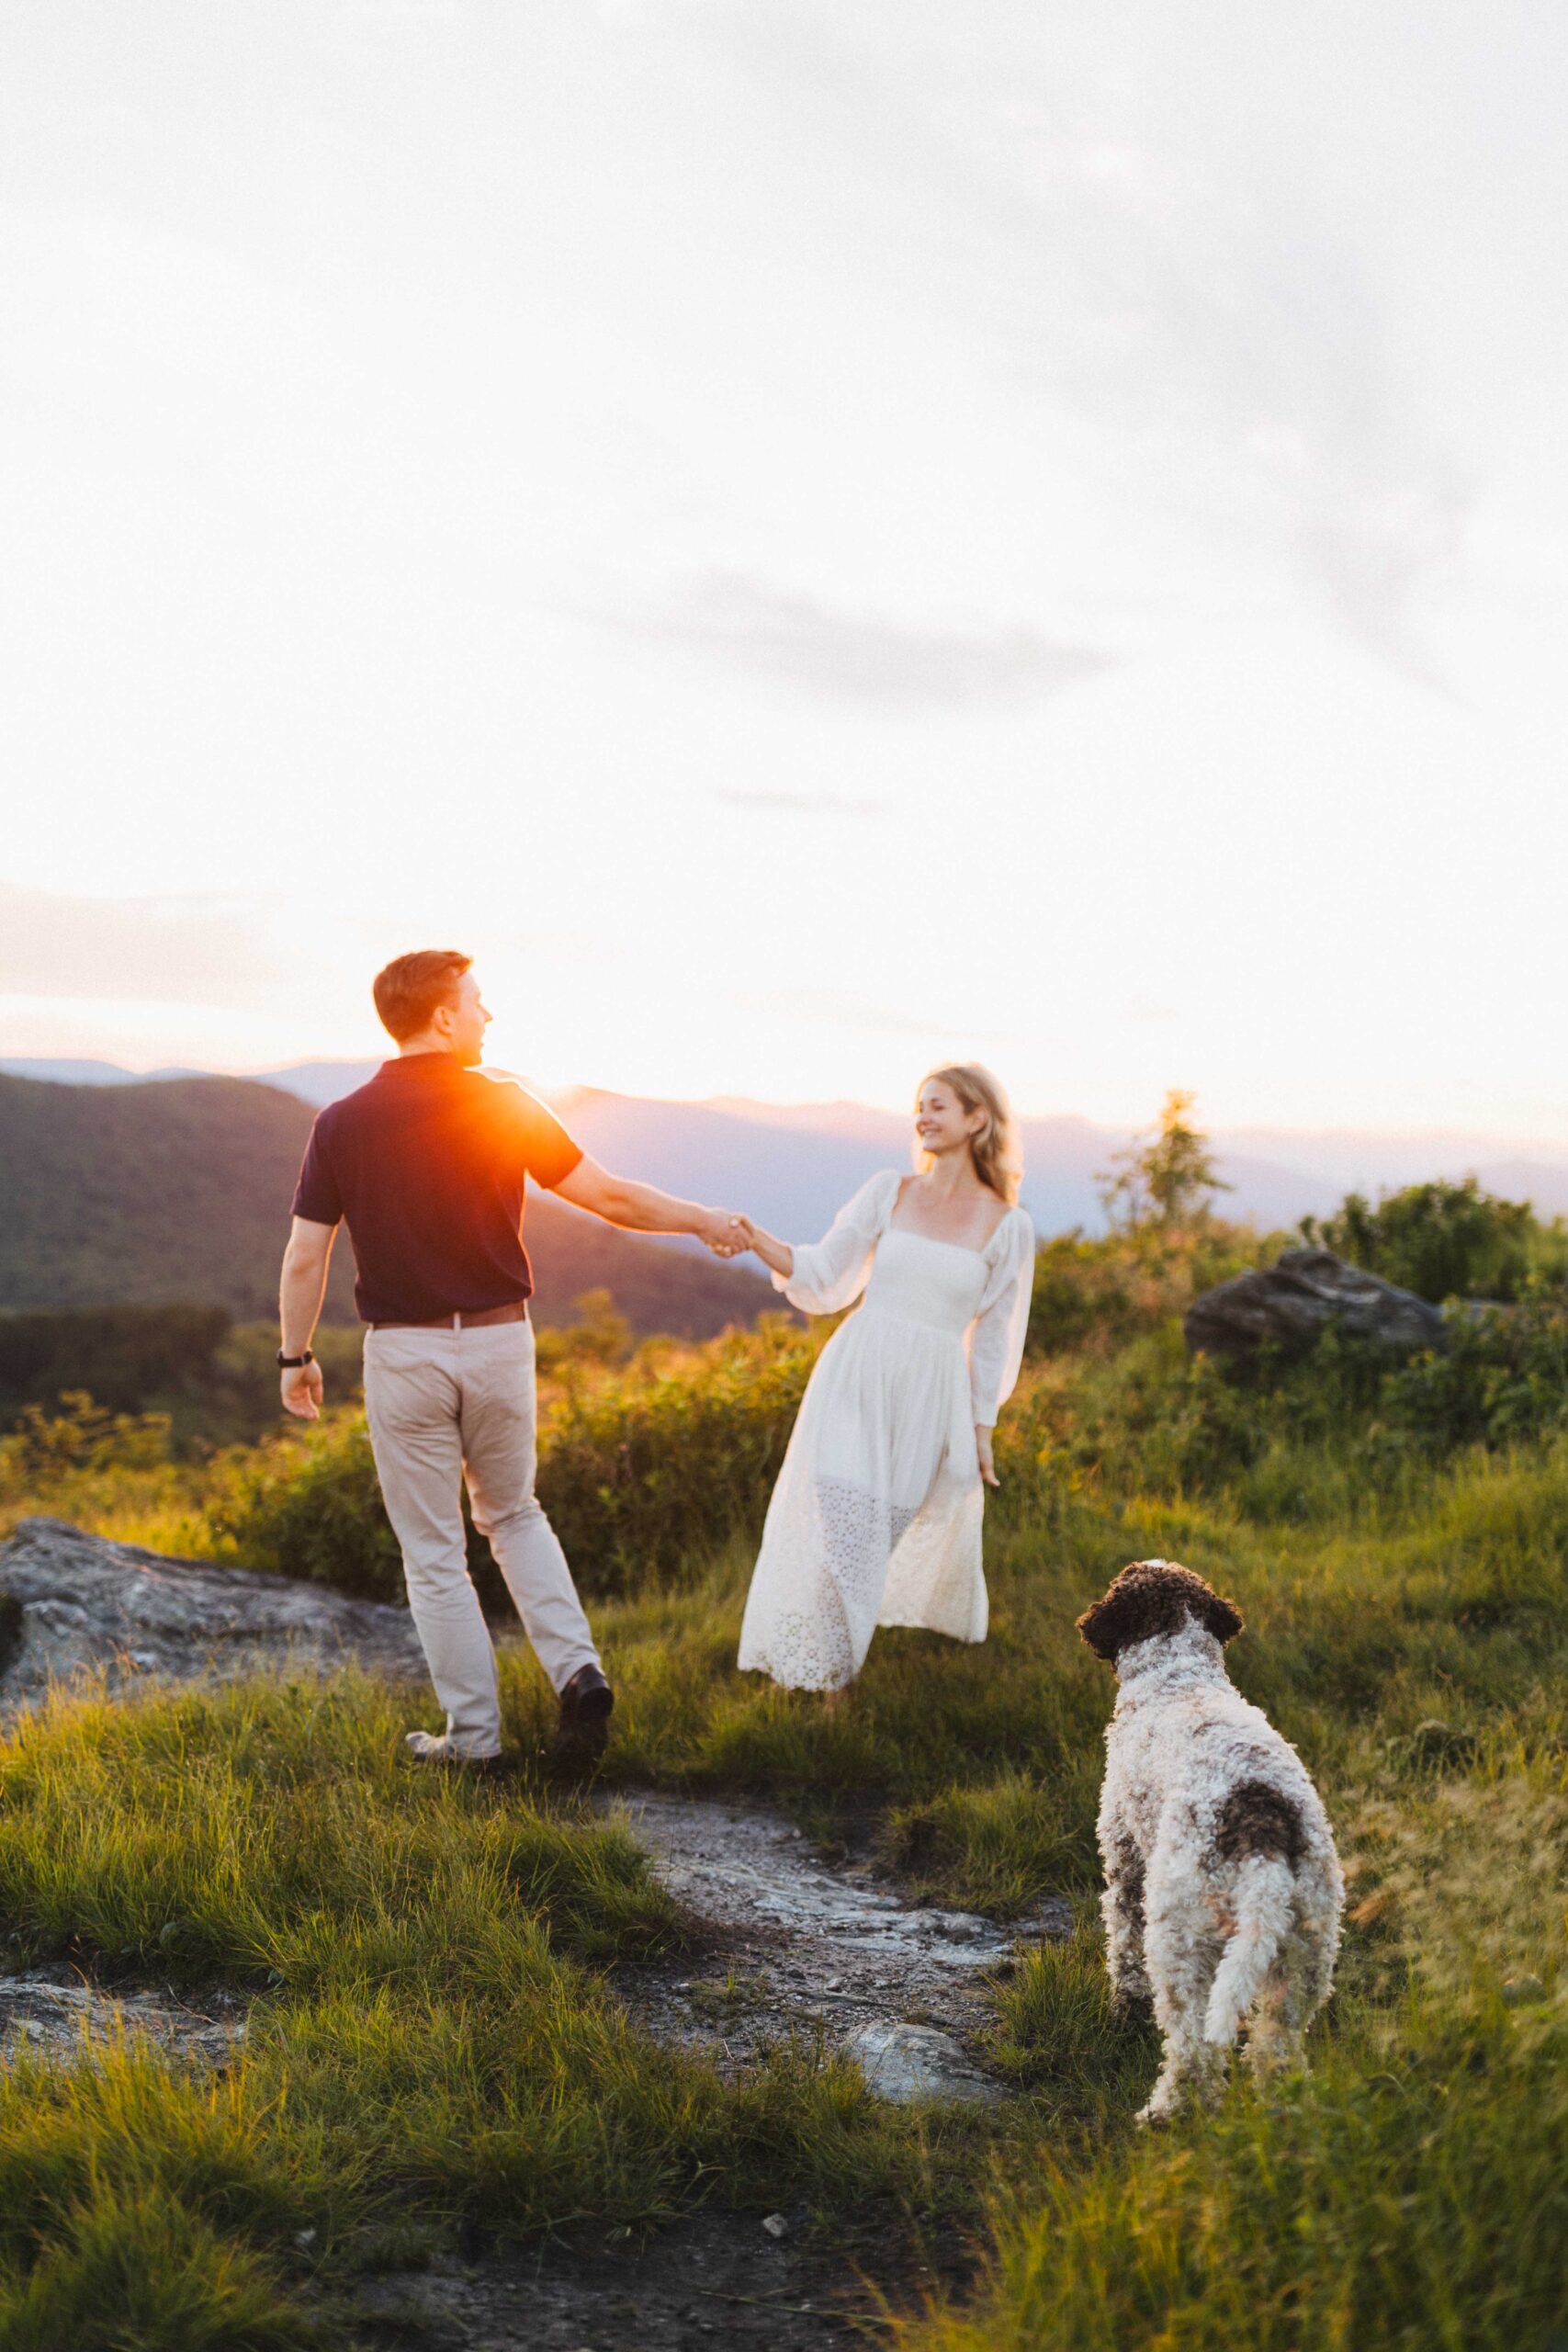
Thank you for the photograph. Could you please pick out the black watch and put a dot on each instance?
(292, 1363)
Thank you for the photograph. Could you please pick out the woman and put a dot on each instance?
(875, 1519)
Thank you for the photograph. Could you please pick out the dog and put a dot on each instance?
(1223, 1888)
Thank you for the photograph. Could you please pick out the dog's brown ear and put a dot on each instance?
(1139, 1602)
(1154, 1597)
(1097, 1627)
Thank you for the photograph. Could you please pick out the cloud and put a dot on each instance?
(112, 309)
(198, 950)
(733, 618)
(800, 804)
(851, 1012)
(1235, 340)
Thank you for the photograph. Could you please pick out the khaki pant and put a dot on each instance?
(449, 1405)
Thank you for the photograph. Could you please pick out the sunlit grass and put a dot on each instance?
(438, 2033)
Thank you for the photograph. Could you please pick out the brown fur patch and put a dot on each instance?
(1156, 1597)
(1257, 1819)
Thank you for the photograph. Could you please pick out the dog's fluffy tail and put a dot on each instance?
(1265, 1903)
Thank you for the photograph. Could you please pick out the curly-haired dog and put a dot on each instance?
(1222, 1889)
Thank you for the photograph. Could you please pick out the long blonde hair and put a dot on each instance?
(998, 1162)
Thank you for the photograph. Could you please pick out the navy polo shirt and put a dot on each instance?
(428, 1165)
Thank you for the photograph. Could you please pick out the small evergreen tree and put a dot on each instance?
(1165, 1177)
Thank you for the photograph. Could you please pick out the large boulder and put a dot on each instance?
(1287, 1307)
(70, 1600)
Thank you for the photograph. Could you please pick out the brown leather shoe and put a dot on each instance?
(583, 1730)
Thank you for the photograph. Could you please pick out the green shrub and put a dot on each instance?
(1101, 1293)
(1300, 1440)
(310, 1505)
(1445, 1240)
(602, 1335)
(644, 1474)
(83, 1435)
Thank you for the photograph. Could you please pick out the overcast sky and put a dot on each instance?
(812, 536)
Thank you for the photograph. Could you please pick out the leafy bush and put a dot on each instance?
(647, 1475)
(1101, 1293)
(82, 1435)
(1445, 1240)
(1304, 1438)
(602, 1335)
(1502, 1378)
(310, 1506)
(644, 1474)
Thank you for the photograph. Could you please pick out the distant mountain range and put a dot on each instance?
(791, 1166)
(176, 1193)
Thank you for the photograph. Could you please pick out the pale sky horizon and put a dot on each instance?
(812, 536)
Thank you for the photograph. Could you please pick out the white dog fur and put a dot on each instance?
(1222, 1889)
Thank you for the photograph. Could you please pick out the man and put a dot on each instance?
(427, 1164)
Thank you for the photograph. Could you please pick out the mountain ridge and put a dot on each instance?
(791, 1165)
(176, 1193)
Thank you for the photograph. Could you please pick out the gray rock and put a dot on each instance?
(1289, 1306)
(10, 1628)
(69, 1600)
(61, 2019)
(905, 2063)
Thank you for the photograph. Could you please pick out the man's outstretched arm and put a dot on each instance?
(643, 1208)
(300, 1296)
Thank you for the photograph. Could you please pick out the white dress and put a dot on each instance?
(875, 1518)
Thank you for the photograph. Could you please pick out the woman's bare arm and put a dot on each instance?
(777, 1256)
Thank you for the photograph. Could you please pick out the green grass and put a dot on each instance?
(433, 2031)
(440, 2035)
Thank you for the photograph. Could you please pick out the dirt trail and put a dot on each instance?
(790, 1942)
(716, 2282)
(798, 1943)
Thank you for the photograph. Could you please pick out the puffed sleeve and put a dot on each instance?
(832, 1273)
(995, 1343)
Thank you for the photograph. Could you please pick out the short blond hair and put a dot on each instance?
(998, 1162)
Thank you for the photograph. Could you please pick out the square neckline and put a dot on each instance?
(936, 1243)
(963, 1248)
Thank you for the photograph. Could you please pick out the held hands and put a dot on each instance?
(301, 1392)
(727, 1236)
(983, 1448)
(730, 1236)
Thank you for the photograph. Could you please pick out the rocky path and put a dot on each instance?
(713, 2282)
(794, 1942)
(785, 1941)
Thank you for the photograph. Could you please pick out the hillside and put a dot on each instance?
(179, 1191)
(470, 2008)
(793, 1164)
